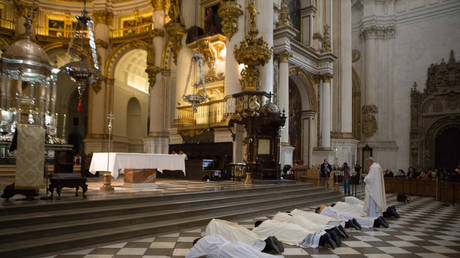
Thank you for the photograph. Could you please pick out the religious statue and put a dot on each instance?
(369, 120)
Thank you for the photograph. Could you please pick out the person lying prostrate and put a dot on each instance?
(319, 218)
(304, 222)
(354, 219)
(234, 232)
(293, 234)
(215, 246)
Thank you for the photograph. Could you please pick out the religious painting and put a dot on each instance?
(129, 27)
(55, 28)
(295, 126)
(212, 21)
(294, 12)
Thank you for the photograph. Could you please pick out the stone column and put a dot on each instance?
(6, 85)
(157, 140)
(100, 94)
(345, 66)
(265, 27)
(325, 113)
(283, 93)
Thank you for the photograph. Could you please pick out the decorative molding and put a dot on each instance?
(283, 18)
(378, 32)
(355, 55)
(102, 43)
(103, 17)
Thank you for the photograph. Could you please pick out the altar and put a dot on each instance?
(113, 162)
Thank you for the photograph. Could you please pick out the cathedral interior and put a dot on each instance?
(245, 89)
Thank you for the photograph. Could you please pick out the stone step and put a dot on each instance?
(57, 205)
(163, 204)
(19, 233)
(33, 247)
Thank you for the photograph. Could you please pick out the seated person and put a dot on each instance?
(236, 233)
(216, 246)
(293, 234)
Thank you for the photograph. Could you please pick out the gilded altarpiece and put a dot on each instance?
(434, 113)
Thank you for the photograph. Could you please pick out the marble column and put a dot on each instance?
(265, 26)
(232, 68)
(5, 95)
(308, 129)
(346, 66)
(326, 114)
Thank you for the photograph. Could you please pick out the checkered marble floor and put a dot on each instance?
(427, 228)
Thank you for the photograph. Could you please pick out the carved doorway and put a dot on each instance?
(295, 125)
(446, 152)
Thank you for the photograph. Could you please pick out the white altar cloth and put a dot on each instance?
(119, 160)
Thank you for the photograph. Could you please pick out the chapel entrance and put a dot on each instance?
(447, 153)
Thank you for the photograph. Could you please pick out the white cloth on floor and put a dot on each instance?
(375, 189)
(365, 222)
(373, 210)
(288, 233)
(319, 218)
(299, 220)
(234, 233)
(356, 209)
(215, 246)
(353, 200)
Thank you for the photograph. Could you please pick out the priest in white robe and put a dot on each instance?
(215, 246)
(375, 202)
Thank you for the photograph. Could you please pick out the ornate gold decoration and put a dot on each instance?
(229, 11)
(175, 29)
(103, 17)
(102, 43)
(210, 49)
(158, 5)
(152, 72)
(97, 85)
(369, 120)
(252, 52)
(325, 39)
(284, 18)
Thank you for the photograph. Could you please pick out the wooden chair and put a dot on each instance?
(63, 175)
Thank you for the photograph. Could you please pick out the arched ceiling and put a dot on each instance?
(130, 70)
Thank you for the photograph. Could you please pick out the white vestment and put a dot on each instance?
(215, 246)
(299, 220)
(356, 209)
(319, 218)
(365, 222)
(288, 233)
(234, 233)
(375, 189)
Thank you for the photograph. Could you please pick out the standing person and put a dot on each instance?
(375, 202)
(346, 178)
(326, 169)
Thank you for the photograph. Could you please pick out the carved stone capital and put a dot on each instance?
(284, 56)
(378, 32)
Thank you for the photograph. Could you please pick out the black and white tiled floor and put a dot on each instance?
(427, 228)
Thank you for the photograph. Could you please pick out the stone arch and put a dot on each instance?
(429, 142)
(356, 105)
(307, 92)
(119, 52)
(134, 119)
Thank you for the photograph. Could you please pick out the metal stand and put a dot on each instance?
(107, 187)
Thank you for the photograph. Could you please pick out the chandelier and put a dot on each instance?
(80, 72)
(196, 79)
